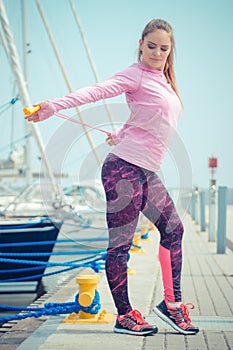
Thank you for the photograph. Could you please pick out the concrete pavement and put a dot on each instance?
(207, 282)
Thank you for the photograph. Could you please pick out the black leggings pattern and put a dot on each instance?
(130, 190)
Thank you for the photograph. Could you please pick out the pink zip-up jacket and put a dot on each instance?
(155, 108)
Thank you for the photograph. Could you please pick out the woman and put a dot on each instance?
(129, 173)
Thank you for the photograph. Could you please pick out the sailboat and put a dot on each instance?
(28, 222)
(26, 233)
(18, 239)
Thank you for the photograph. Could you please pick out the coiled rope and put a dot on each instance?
(52, 309)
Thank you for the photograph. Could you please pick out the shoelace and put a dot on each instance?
(138, 316)
(185, 309)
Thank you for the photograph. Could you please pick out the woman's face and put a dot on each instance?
(155, 48)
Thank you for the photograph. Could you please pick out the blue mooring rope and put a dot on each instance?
(57, 241)
(52, 309)
(26, 254)
(93, 264)
(8, 104)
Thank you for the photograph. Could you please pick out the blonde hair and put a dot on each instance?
(168, 71)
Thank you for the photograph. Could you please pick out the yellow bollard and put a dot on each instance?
(130, 271)
(136, 246)
(87, 287)
(152, 227)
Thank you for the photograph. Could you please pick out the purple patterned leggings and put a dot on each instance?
(129, 191)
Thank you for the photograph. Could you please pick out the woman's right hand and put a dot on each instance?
(46, 111)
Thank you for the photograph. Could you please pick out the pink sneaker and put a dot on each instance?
(133, 323)
(177, 317)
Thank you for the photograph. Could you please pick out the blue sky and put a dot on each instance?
(204, 55)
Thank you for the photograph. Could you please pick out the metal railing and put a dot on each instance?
(217, 208)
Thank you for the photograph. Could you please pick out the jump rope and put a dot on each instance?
(31, 110)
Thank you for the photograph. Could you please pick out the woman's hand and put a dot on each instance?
(46, 111)
(110, 141)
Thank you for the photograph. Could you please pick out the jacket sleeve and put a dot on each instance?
(125, 81)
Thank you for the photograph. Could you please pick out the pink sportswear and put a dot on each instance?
(155, 108)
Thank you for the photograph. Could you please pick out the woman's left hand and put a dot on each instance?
(110, 141)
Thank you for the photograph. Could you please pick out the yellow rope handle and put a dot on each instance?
(30, 110)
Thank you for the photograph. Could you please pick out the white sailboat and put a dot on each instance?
(21, 83)
(17, 233)
(29, 207)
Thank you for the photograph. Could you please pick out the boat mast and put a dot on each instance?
(89, 56)
(25, 70)
(89, 138)
(20, 81)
